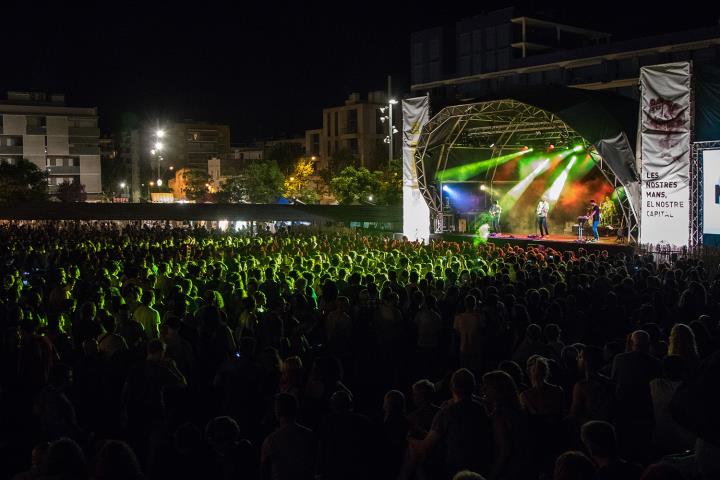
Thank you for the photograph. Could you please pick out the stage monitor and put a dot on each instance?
(711, 196)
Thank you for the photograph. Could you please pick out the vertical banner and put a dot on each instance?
(416, 214)
(665, 153)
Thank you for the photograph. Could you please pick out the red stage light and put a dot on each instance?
(551, 147)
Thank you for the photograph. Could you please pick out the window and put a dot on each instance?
(352, 119)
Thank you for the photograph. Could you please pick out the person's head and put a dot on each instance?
(500, 390)
(574, 466)
(640, 341)
(156, 350)
(468, 475)
(462, 383)
(590, 359)
(341, 402)
(552, 332)
(394, 403)
(117, 461)
(64, 459)
(512, 369)
(423, 392)
(222, 433)
(533, 333)
(470, 303)
(592, 202)
(148, 297)
(682, 342)
(286, 408)
(538, 371)
(599, 439)
(292, 367)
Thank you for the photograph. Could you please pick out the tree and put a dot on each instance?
(340, 159)
(232, 190)
(22, 181)
(71, 192)
(391, 188)
(296, 184)
(262, 182)
(356, 186)
(284, 155)
(195, 183)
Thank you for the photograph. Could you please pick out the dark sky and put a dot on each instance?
(266, 68)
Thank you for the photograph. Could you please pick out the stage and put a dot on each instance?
(558, 242)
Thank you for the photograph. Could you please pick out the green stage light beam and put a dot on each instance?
(553, 193)
(463, 172)
(516, 192)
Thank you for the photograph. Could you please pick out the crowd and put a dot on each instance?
(186, 353)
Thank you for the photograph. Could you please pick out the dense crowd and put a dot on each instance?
(174, 353)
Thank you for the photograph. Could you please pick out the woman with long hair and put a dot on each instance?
(682, 343)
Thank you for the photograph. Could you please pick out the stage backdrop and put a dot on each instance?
(416, 214)
(665, 125)
(711, 196)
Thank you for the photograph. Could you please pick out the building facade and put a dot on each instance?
(191, 145)
(506, 49)
(61, 140)
(354, 127)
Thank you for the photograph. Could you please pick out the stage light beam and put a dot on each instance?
(464, 172)
(553, 193)
(516, 192)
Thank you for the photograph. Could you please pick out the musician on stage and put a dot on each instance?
(594, 213)
(495, 211)
(542, 212)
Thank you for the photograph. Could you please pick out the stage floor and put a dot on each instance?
(558, 242)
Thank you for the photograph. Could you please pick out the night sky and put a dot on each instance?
(265, 68)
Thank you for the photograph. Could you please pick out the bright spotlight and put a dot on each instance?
(122, 184)
(446, 188)
(577, 148)
(160, 133)
(483, 187)
(553, 193)
(370, 198)
(152, 152)
(159, 182)
(392, 101)
(158, 145)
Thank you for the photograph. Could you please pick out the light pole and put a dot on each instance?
(158, 147)
(391, 127)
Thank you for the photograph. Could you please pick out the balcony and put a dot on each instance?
(11, 150)
(63, 170)
(84, 150)
(83, 132)
(35, 129)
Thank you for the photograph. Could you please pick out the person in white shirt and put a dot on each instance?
(541, 213)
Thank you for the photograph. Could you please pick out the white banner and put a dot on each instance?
(665, 126)
(416, 214)
(711, 192)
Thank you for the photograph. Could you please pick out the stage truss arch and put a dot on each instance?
(502, 126)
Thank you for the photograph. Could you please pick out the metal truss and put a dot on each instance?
(512, 124)
(696, 190)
